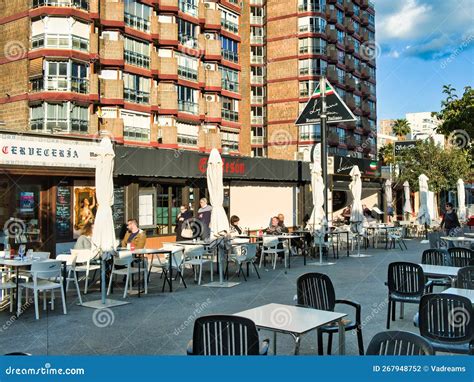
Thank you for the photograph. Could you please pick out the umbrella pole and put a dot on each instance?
(102, 271)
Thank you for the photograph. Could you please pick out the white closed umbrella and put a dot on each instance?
(424, 212)
(215, 186)
(407, 205)
(317, 222)
(357, 214)
(103, 236)
(462, 213)
(388, 194)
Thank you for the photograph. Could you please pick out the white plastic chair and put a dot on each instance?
(194, 256)
(244, 254)
(176, 264)
(7, 285)
(45, 275)
(126, 261)
(270, 247)
(84, 258)
(71, 273)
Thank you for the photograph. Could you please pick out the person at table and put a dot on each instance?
(346, 215)
(235, 229)
(450, 221)
(134, 235)
(85, 240)
(183, 216)
(281, 223)
(204, 216)
(274, 228)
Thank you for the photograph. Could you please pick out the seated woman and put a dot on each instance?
(235, 230)
(85, 240)
(274, 228)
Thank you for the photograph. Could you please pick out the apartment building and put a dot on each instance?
(423, 126)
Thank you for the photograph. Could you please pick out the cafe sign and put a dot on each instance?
(24, 150)
(229, 166)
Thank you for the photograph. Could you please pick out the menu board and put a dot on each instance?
(118, 209)
(63, 211)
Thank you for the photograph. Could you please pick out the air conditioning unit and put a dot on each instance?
(211, 98)
(207, 5)
(209, 36)
(209, 67)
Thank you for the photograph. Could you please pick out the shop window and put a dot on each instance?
(169, 199)
(146, 212)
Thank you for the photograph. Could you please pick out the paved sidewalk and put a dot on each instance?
(162, 323)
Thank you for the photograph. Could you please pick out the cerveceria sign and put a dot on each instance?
(336, 110)
(26, 150)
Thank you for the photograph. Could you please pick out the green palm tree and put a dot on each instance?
(386, 154)
(401, 127)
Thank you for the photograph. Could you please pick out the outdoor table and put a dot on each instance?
(459, 239)
(440, 271)
(140, 253)
(17, 264)
(337, 233)
(381, 227)
(294, 320)
(469, 293)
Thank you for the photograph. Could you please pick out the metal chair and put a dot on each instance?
(436, 256)
(315, 290)
(460, 256)
(177, 264)
(226, 335)
(244, 254)
(71, 273)
(270, 247)
(445, 320)
(85, 264)
(395, 235)
(399, 343)
(406, 284)
(465, 279)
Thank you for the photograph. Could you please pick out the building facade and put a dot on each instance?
(423, 126)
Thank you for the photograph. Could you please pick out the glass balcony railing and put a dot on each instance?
(188, 7)
(134, 133)
(187, 73)
(60, 84)
(61, 124)
(59, 41)
(188, 107)
(187, 140)
(230, 55)
(231, 86)
(136, 59)
(136, 22)
(230, 115)
(80, 4)
(136, 96)
(230, 26)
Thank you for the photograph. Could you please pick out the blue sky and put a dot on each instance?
(424, 44)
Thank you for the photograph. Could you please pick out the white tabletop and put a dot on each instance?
(439, 270)
(143, 251)
(458, 238)
(21, 263)
(289, 318)
(469, 293)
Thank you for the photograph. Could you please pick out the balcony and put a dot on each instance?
(257, 39)
(112, 127)
(168, 4)
(350, 125)
(59, 41)
(111, 49)
(210, 139)
(364, 20)
(257, 141)
(213, 79)
(168, 33)
(349, 44)
(365, 108)
(188, 107)
(350, 83)
(333, 139)
(188, 8)
(331, 75)
(365, 73)
(349, 63)
(164, 67)
(165, 97)
(166, 135)
(94, 43)
(257, 20)
(349, 25)
(331, 35)
(364, 4)
(230, 115)
(111, 89)
(350, 102)
(332, 54)
(60, 84)
(78, 4)
(230, 26)
(331, 16)
(212, 48)
(257, 120)
(257, 100)
(365, 35)
(257, 59)
(112, 10)
(364, 88)
(257, 80)
(349, 7)
(213, 110)
(351, 142)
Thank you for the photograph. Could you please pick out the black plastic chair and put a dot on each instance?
(315, 290)
(399, 343)
(435, 256)
(406, 284)
(446, 321)
(465, 279)
(226, 335)
(18, 353)
(461, 257)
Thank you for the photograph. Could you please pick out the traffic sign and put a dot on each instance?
(336, 110)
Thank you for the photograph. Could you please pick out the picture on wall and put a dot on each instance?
(85, 208)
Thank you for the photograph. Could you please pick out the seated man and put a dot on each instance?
(134, 235)
(281, 223)
(274, 228)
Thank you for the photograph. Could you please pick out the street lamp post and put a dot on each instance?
(324, 154)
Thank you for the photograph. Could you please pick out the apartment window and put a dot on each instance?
(169, 199)
(356, 10)
(137, 15)
(340, 16)
(257, 94)
(356, 26)
(60, 33)
(257, 15)
(311, 5)
(357, 100)
(136, 88)
(340, 36)
(229, 21)
(230, 49)
(356, 63)
(258, 135)
(356, 45)
(340, 56)
(189, 6)
(81, 4)
(187, 99)
(371, 35)
(310, 133)
(341, 133)
(307, 88)
(187, 134)
(371, 105)
(312, 46)
(257, 35)
(187, 33)
(136, 126)
(341, 92)
(340, 75)
(259, 152)
(257, 114)
(230, 109)
(257, 74)
(230, 79)
(312, 67)
(257, 55)
(136, 53)
(62, 116)
(312, 24)
(188, 67)
(66, 76)
(371, 20)
(231, 140)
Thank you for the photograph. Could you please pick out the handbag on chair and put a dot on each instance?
(187, 232)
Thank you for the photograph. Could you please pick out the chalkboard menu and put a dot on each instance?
(63, 211)
(118, 209)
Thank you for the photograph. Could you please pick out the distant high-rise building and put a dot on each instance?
(423, 126)
(386, 126)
